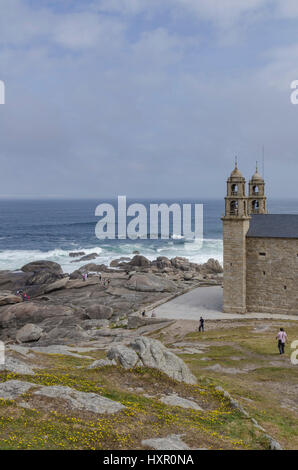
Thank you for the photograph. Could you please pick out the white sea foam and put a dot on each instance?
(194, 251)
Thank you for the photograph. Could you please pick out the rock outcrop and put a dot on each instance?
(150, 283)
(12, 389)
(7, 298)
(99, 312)
(28, 333)
(16, 316)
(81, 400)
(124, 356)
(144, 351)
(140, 261)
(37, 266)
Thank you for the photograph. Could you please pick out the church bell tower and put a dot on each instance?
(235, 227)
(256, 198)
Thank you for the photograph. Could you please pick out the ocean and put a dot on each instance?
(50, 229)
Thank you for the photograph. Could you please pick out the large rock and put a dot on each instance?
(16, 366)
(144, 351)
(7, 298)
(13, 281)
(12, 389)
(124, 356)
(162, 262)
(76, 254)
(37, 266)
(213, 266)
(99, 312)
(119, 262)
(65, 335)
(15, 316)
(57, 285)
(43, 272)
(150, 283)
(81, 400)
(181, 263)
(42, 278)
(140, 261)
(153, 353)
(28, 333)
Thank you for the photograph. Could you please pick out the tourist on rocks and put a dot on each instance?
(25, 297)
(201, 327)
(143, 313)
(282, 340)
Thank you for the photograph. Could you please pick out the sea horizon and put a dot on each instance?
(50, 229)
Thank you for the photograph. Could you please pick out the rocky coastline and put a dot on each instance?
(71, 308)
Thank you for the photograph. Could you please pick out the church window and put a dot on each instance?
(255, 207)
(234, 208)
(234, 189)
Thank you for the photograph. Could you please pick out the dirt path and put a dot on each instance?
(207, 302)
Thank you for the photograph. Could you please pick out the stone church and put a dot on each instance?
(260, 251)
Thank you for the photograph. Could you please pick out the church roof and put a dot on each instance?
(273, 226)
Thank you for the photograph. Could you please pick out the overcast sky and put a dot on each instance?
(146, 98)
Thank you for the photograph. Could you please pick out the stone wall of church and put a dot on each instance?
(272, 275)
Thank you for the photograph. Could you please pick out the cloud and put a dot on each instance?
(223, 12)
(287, 8)
(103, 104)
(85, 30)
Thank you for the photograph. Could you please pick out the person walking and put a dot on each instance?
(282, 340)
(201, 327)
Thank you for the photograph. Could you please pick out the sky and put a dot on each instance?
(146, 98)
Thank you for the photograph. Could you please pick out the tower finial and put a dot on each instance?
(257, 166)
(236, 162)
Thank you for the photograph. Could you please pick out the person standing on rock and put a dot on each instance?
(282, 340)
(201, 327)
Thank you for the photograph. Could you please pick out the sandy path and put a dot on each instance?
(207, 301)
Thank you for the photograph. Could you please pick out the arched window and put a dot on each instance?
(234, 189)
(234, 207)
(255, 190)
(255, 207)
